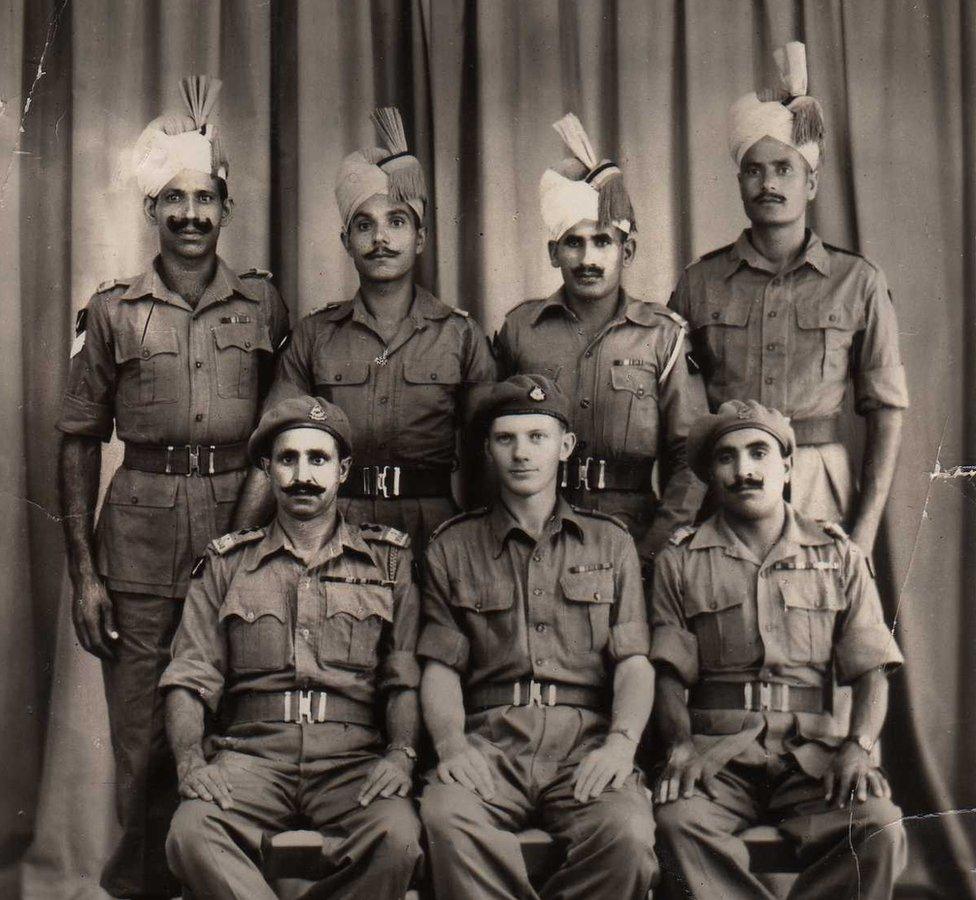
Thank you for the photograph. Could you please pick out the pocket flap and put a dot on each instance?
(639, 381)
(725, 308)
(250, 607)
(130, 488)
(337, 371)
(129, 345)
(825, 315)
(588, 587)
(244, 337)
(433, 370)
(484, 597)
(810, 589)
(359, 600)
(696, 604)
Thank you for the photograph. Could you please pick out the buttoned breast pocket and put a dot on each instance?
(340, 378)
(238, 350)
(718, 619)
(722, 331)
(825, 333)
(256, 627)
(429, 378)
(812, 600)
(149, 367)
(484, 609)
(353, 624)
(632, 424)
(584, 619)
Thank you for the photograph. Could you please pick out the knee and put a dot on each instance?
(679, 820)
(188, 834)
(445, 807)
(400, 835)
(879, 822)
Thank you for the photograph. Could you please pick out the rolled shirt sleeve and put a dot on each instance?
(672, 642)
(441, 639)
(629, 631)
(293, 376)
(879, 376)
(399, 669)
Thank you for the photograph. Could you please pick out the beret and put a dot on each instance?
(299, 412)
(519, 395)
(734, 415)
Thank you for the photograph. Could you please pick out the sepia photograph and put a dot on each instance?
(488, 449)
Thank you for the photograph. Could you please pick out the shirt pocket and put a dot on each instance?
(718, 620)
(812, 600)
(484, 610)
(149, 367)
(723, 334)
(585, 616)
(257, 639)
(338, 377)
(632, 427)
(825, 334)
(431, 379)
(354, 617)
(236, 358)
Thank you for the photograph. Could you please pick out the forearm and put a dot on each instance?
(869, 704)
(79, 468)
(184, 728)
(671, 718)
(882, 442)
(633, 696)
(255, 506)
(403, 718)
(443, 706)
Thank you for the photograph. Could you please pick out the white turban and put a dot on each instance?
(796, 120)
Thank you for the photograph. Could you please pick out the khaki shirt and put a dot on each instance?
(720, 614)
(165, 373)
(633, 398)
(500, 606)
(260, 617)
(793, 341)
(406, 400)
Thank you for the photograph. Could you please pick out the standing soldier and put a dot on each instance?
(175, 359)
(396, 359)
(785, 319)
(620, 359)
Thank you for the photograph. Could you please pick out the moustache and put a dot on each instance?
(177, 226)
(382, 253)
(769, 195)
(584, 271)
(741, 484)
(299, 488)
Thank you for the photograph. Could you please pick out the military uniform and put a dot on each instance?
(181, 386)
(535, 622)
(634, 399)
(754, 641)
(295, 657)
(794, 341)
(405, 400)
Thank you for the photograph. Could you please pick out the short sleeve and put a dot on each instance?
(629, 632)
(672, 643)
(400, 669)
(879, 376)
(440, 639)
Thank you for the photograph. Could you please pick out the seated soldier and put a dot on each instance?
(295, 635)
(751, 610)
(537, 685)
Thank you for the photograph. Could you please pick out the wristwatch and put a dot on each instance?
(406, 749)
(627, 733)
(862, 741)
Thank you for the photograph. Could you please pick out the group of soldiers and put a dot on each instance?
(283, 585)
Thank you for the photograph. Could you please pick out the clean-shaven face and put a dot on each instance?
(527, 449)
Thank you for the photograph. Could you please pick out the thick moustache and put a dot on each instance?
(178, 226)
(294, 489)
(744, 485)
(381, 253)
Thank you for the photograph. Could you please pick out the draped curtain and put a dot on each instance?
(479, 82)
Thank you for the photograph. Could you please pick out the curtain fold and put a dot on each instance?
(479, 83)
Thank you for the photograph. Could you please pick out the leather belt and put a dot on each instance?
(756, 696)
(535, 693)
(388, 482)
(810, 432)
(297, 706)
(594, 473)
(196, 459)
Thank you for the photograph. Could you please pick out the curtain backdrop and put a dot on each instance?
(479, 84)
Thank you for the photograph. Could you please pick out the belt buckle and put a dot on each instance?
(583, 475)
(193, 460)
(304, 712)
(382, 488)
(535, 694)
(759, 696)
(169, 459)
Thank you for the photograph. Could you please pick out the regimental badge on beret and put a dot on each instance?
(537, 394)
(743, 412)
(317, 414)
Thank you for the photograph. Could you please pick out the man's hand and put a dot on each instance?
(94, 616)
(463, 763)
(202, 781)
(607, 766)
(685, 768)
(852, 774)
(392, 776)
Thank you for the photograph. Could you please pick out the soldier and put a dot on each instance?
(783, 318)
(536, 684)
(749, 612)
(176, 359)
(621, 359)
(296, 636)
(394, 357)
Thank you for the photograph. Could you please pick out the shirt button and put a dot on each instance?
(715, 314)
(540, 627)
(247, 345)
(596, 595)
(145, 353)
(540, 662)
(770, 346)
(433, 376)
(640, 392)
(198, 364)
(338, 377)
(133, 499)
(384, 401)
(831, 318)
(712, 604)
(537, 592)
(198, 417)
(477, 604)
(249, 615)
(585, 403)
(588, 354)
(769, 379)
(305, 633)
(771, 314)
(537, 557)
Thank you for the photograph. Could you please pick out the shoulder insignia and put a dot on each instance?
(227, 542)
(81, 321)
(198, 566)
(329, 307)
(682, 534)
(710, 255)
(523, 303)
(455, 520)
(255, 273)
(113, 283)
(388, 535)
(847, 252)
(834, 530)
(599, 514)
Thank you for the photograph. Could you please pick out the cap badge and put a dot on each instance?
(743, 412)
(537, 394)
(316, 413)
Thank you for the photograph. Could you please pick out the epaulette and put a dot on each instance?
(388, 535)
(847, 252)
(680, 535)
(255, 273)
(833, 529)
(455, 520)
(710, 255)
(599, 514)
(329, 307)
(227, 542)
(113, 283)
(677, 318)
(523, 303)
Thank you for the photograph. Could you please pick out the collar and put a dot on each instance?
(424, 306)
(276, 541)
(637, 311)
(501, 524)
(225, 284)
(743, 252)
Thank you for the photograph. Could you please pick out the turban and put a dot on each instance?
(389, 170)
(170, 144)
(786, 114)
(583, 187)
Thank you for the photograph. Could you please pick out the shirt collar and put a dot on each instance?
(424, 306)
(502, 523)
(225, 284)
(275, 541)
(627, 307)
(743, 252)
(798, 532)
